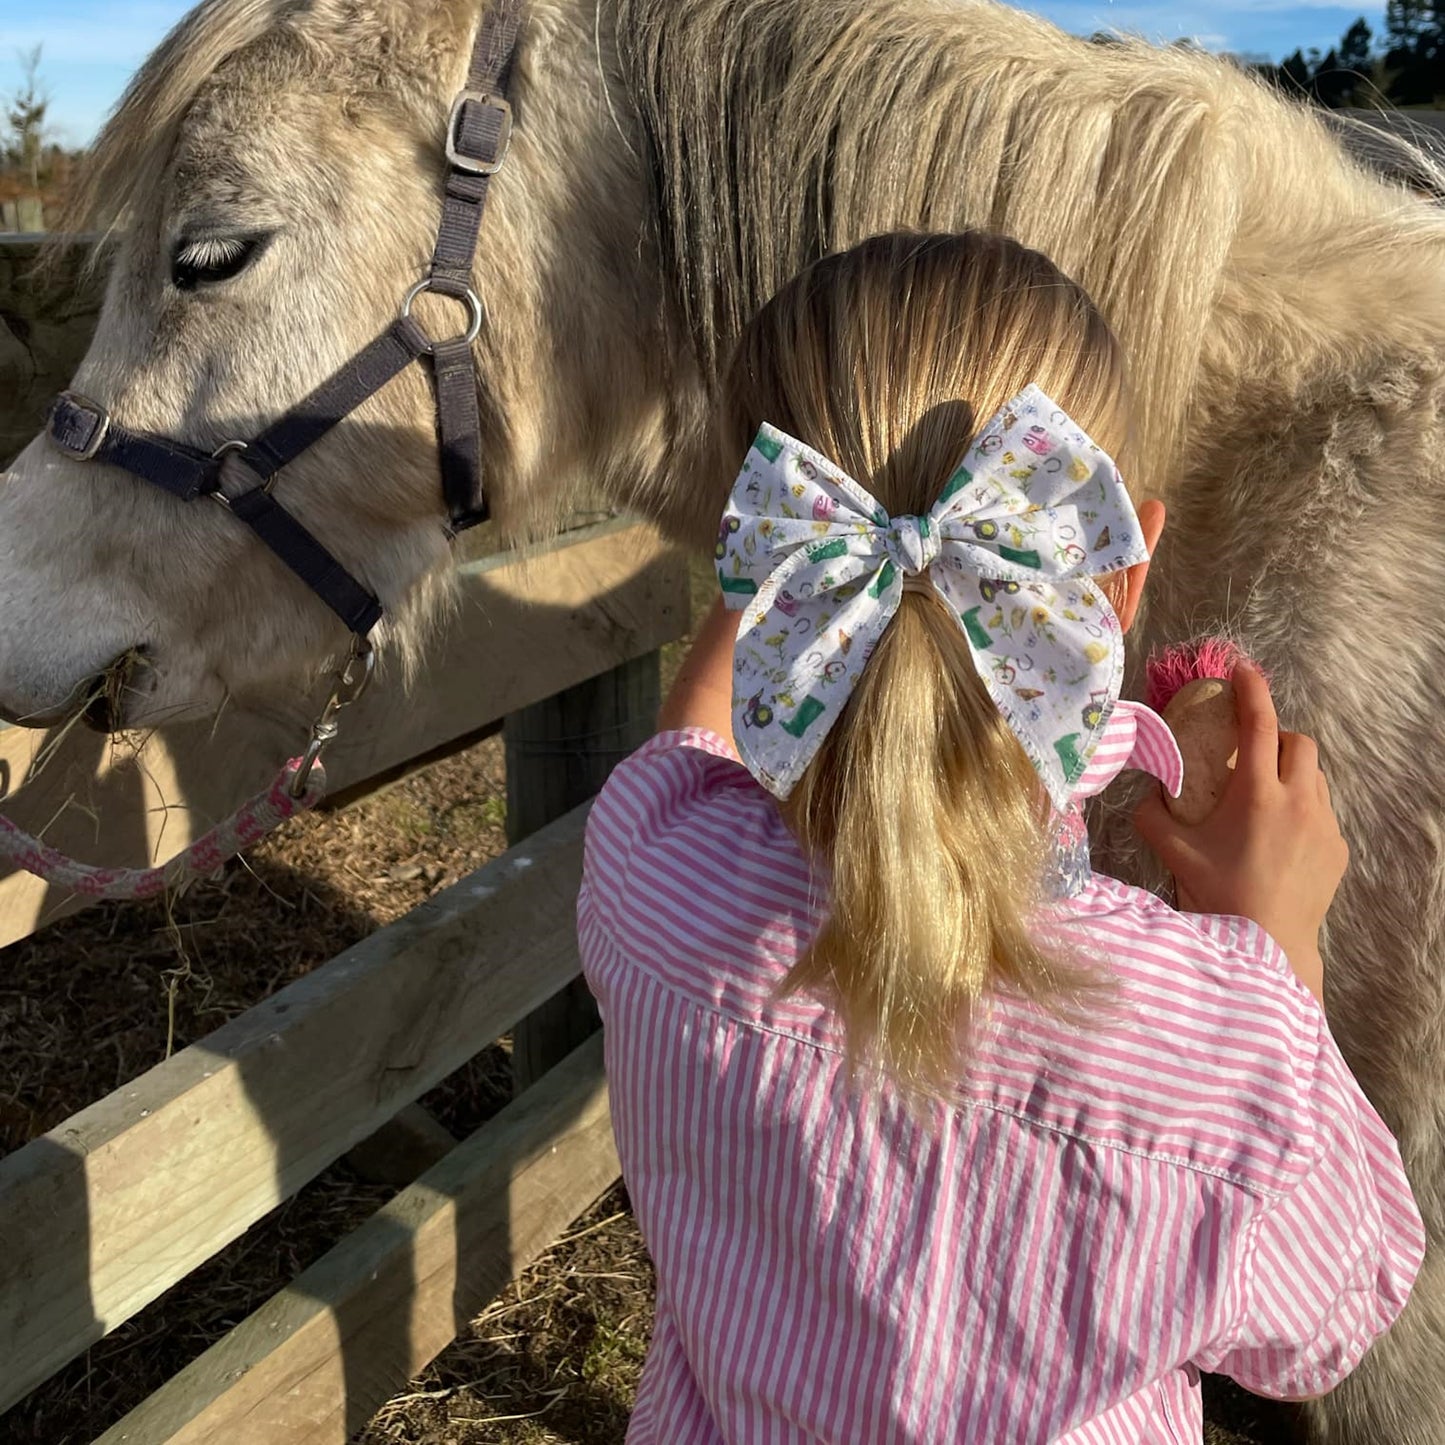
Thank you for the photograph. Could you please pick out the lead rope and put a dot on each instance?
(298, 788)
(242, 830)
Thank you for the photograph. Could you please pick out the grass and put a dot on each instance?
(556, 1359)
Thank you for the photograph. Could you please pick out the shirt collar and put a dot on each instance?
(1134, 737)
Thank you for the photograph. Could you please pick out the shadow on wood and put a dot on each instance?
(526, 628)
(114, 1206)
(560, 753)
(315, 1363)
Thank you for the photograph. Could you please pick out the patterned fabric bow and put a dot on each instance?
(1035, 512)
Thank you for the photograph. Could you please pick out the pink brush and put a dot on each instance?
(1189, 685)
(1175, 667)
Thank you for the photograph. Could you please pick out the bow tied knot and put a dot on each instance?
(913, 544)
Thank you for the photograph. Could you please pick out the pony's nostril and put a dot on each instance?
(98, 713)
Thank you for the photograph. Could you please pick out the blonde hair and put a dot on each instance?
(921, 806)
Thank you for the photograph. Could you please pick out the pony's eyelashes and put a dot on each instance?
(199, 261)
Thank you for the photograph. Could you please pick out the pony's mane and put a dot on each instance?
(1130, 166)
(130, 155)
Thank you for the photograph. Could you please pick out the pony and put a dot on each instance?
(271, 186)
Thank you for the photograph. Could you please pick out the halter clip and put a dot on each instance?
(349, 684)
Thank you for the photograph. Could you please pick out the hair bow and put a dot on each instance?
(1033, 514)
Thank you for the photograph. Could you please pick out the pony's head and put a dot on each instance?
(270, 188)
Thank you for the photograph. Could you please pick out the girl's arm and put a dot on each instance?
(702, 696)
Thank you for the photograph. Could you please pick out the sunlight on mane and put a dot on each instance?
(1136, 169)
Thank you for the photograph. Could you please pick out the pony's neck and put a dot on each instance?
(1210, 220)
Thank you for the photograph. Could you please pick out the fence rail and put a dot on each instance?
(316, 1362)
(106, 1212)
(525, 630)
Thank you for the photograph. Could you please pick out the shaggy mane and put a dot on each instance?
(781, 130)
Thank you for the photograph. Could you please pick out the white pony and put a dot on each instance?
(675, 160)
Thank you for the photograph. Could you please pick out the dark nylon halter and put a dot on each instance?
(479, 135)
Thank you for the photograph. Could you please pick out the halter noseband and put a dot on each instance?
(241, 475)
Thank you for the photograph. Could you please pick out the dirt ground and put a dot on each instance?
(84, 1009)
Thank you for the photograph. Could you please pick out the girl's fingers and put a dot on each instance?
(1259, 761)
(1299, 759)
(1158, 827)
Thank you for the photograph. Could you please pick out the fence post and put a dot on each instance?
(559, 754)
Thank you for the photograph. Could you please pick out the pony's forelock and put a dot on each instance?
(130, 155)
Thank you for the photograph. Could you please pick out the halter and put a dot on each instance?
(241, 476)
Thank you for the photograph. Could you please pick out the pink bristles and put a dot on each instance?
(1168, 671)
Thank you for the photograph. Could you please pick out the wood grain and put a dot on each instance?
(113, 1207)
(524, 630)
(314, 1364)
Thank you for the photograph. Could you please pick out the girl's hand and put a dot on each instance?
(1271, 850)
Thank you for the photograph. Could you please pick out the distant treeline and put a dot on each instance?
(1404, 65)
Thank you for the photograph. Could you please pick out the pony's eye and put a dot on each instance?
(211, 260)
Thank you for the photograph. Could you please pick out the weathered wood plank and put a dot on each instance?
(107, 1211)
(525, 629)
(559, 753)
(314, 1364)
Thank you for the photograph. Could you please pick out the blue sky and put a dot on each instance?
(92, 46)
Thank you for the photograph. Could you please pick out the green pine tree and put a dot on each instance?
(1294, 73)
(1355, 48)
(1415, 51)
(28, 110)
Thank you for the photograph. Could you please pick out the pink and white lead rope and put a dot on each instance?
(245, 827)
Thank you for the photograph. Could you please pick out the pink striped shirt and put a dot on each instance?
(1198, 1184)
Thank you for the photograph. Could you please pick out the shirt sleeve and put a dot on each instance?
(1329, 1265)
(642, 860)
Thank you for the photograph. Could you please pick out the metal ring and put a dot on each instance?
(227, 449)
(470, 299)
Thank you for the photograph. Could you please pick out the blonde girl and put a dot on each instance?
(933, 1133)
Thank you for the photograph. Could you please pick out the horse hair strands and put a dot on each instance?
(780, 132)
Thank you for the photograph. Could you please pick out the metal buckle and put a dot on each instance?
(471, 164)
(97, 440)
(223, 451)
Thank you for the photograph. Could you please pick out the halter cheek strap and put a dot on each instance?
(479, 137)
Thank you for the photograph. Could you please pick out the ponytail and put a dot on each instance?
(928, 819)
(920, 809)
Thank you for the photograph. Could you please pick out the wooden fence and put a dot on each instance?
(107, 1211)
(113, 1207)
(45, 325)
(525, 630)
